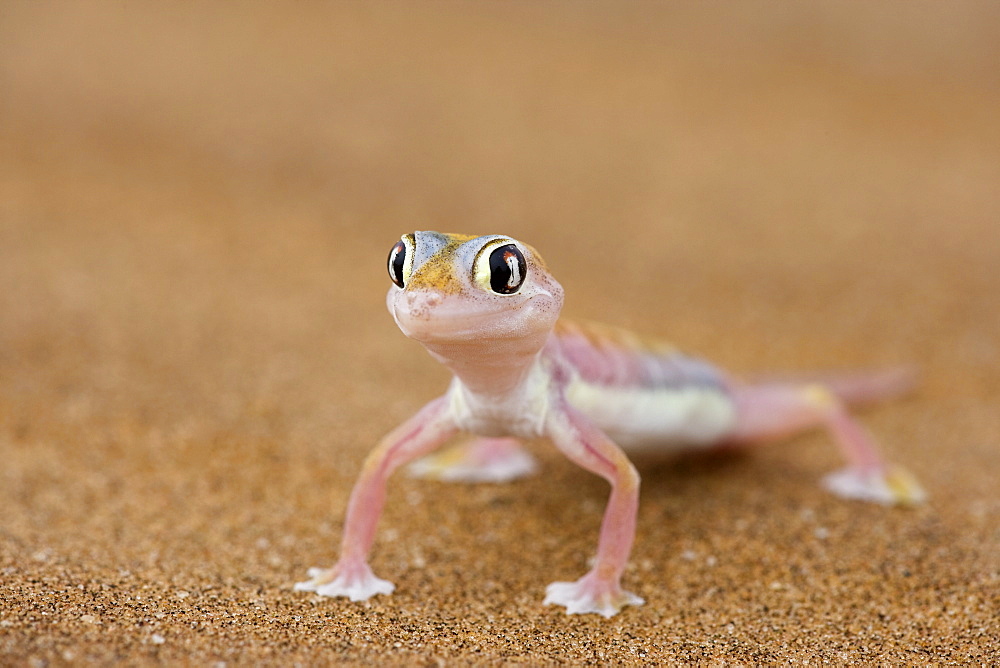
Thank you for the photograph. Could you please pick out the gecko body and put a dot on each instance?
(488, 308)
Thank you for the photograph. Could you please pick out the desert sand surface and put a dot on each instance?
(196, 203)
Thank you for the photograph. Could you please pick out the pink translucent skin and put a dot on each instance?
(600, 590)
(497, 345)
(351, 576)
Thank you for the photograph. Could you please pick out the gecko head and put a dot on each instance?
(458, 289)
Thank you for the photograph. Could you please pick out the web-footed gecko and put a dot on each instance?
(487, 308)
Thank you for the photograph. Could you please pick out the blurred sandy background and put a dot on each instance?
(196, 201)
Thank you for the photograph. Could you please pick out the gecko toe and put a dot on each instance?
(893, 487)
(357, 583)
(590, 595)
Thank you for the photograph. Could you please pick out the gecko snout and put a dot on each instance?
(417, 305)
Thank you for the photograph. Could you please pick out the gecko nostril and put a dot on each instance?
(423, 299)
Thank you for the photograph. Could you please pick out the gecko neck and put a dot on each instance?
(490, 367)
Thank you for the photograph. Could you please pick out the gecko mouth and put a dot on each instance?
(436, 318)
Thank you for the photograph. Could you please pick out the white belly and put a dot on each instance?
(520, 413)
(667, 418)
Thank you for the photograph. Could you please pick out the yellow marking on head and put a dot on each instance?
(439, 272)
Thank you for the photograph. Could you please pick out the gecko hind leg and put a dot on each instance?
(479, 459)
(768, 412)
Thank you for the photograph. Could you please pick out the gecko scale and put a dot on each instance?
(487, 308)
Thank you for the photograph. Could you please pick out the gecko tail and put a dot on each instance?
(857, 388)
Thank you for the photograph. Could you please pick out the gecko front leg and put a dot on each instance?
(352, 576)
(600, 589)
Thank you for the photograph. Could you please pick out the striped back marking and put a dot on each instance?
(614, 357)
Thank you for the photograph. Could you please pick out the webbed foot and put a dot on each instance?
(480, 460)
(894, 486)
(356, 582)
(590, 594)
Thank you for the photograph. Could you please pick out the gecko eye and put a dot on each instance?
(500, 268)
(507, 269)
(401, 260)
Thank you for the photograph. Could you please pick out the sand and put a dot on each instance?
(196, 202)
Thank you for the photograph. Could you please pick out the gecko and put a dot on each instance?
(488, 308)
